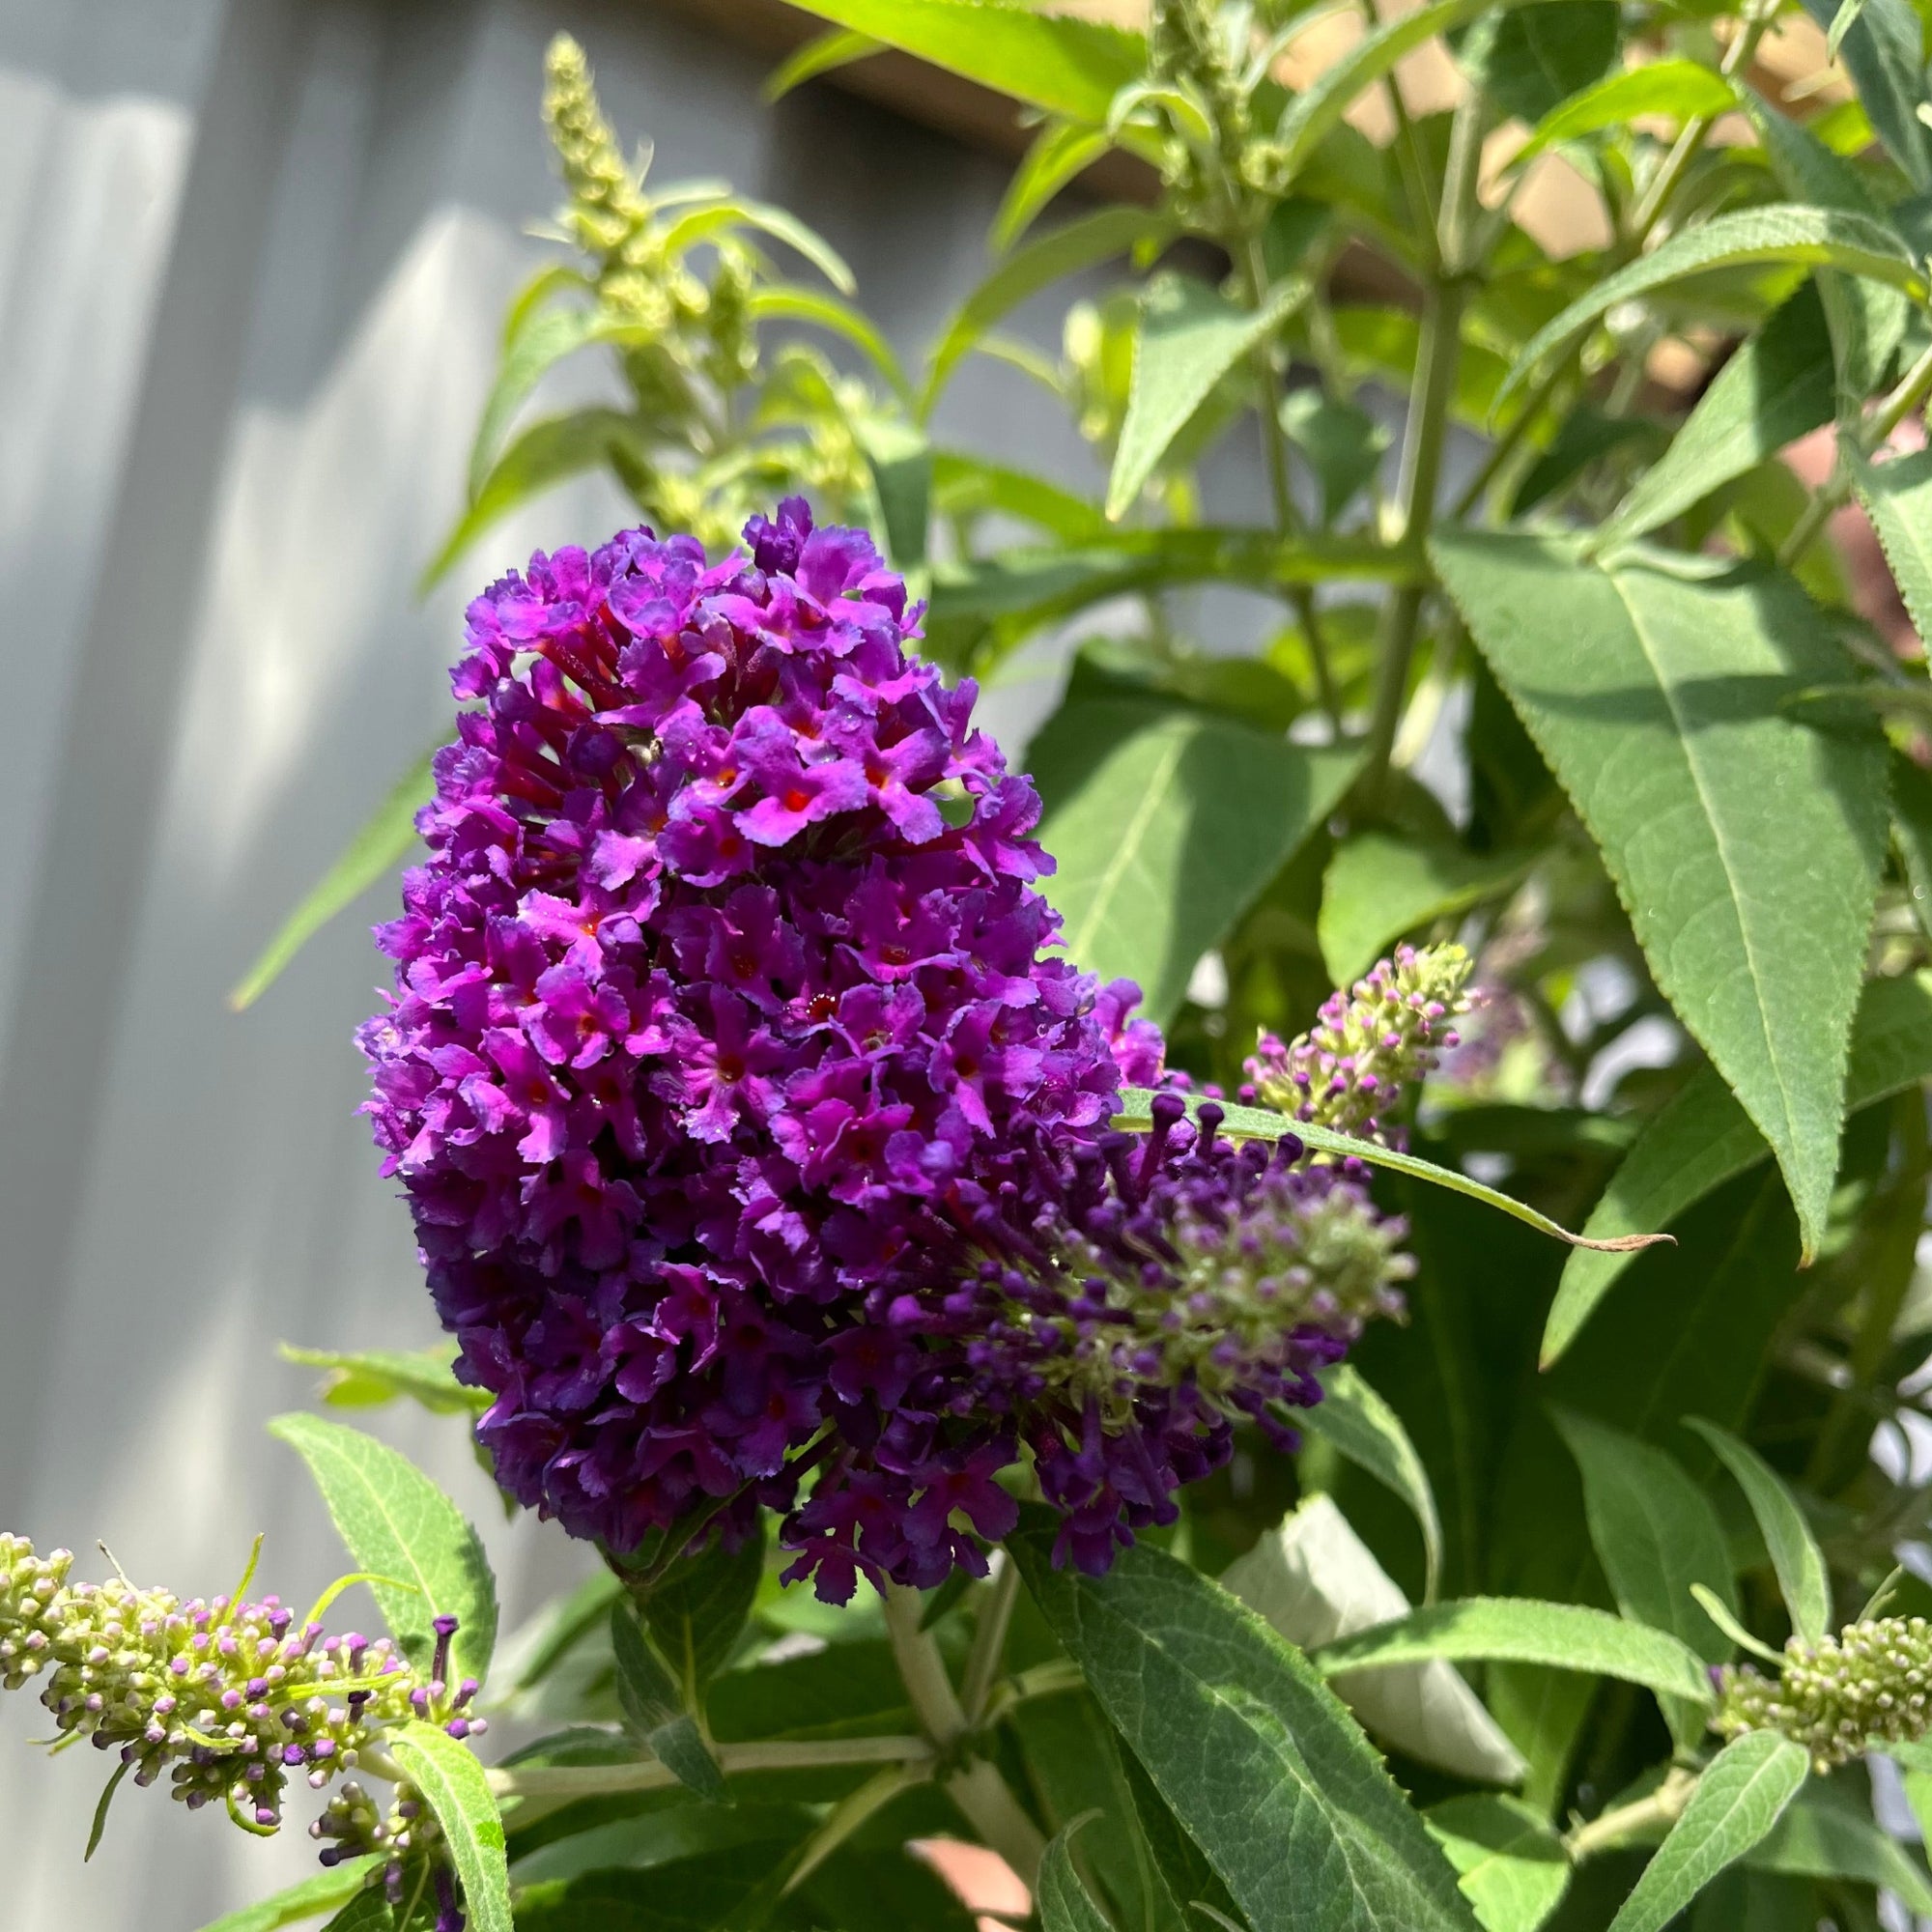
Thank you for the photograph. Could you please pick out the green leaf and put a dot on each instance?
(823, 53)
(1884, 52)
(1251, 1751)
(1060, 152)
(368, 1377)
(697, 1613)
(1344, 446)
(657, 1708)
(1816, 238)
(1912, 832)
(1656, 1534)
(1064, 1901)
(1084, 243)
(779, 223)
(1166, 823)
(1511, 1866)
(1314, 1580)
(373, 854)
(456, 1788)
(1897, 498)
(1183, 1884)
(900, 460)
(1745, 846)
(1829, 1833)
(782, 302)
(1776, 388)
(395, 1522)
(1738, 1800)
(327, 1891)
(1190, 336)
(1362, 1427)
(1519, 1630)
(101, 1809)
(1378, 888)
(1530, 60)
(1257, 1124)
(1066, 66)
(538, 459)
(545, 336)
(963, 485)
(1680, 88)
(1702, 1137)
(1801, 1576)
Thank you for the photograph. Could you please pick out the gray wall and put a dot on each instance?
(252, 256)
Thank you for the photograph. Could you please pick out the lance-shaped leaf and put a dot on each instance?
(1702, 1138)
(425, 1561)
(1190, 336)
(1897, 498)
(375, 852)
(1519, 1630)
(1745, 846)
(1378, 888)
(1060, 152)
(1801, 1576)
(1511, 1866)
(1528, 60)
(1166, 822)
(1740, 1797)
(1255, 1756)
(1776, 388)
(369, 1378)
(657, 1706)
(1829, 1832)
(1065, 1903)
(1814, 237)
(1883, 49)
(456, 1788)
(1680, 88)
(824, 53)
(300, 1903)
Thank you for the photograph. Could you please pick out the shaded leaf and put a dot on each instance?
(1701, 1138)
(1344, 446)
(1829, 1833)
(1912, 831)
(1801, 1576)
(395, 1522)
(1746, 847)
(1064, 1902)
(1511, 1866)
(373, 854)
(1531, 59)
(900, 460)
(1884, 52)
(368, 1377)
(1897, 498)
(697, 1613)
(1739, 1799)
(456, 1788)
(1378, 888)
(1166, 822)
(657, 1708)
(1256, 1757)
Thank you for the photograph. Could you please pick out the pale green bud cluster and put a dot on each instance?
(608, 205)
(1867, 1686)
(1368, 1046)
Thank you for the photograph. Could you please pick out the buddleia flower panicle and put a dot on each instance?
(227, 1699)
(1837, 1697)
(727, 1053)
(1368, 1045)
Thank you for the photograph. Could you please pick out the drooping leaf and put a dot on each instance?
(1656, 1535)
(738, 211)
(396, 1523)
(1362, 1427)
(1884, 52)
(1682, 88)
(1082, 243)
(1701, 1138)
(1897, 498)
(1065, 1902)
(375, 852)
(1257, 1124)
(783, 303)
(1776, 388)
(1166, 822)
(1511, 1866)
(1314, 1580)
(1530, 59)
(1378, 888)
(1828, 1833)
(1060, 153)
(823, 53)
(1740, 1797)
(657, 1708)
(325, 1891)
(1190, 336)
(456, 1788)
(1815, 238)
(1052, 61)
(1795, 1556)
(1745, 846)
(368, 1377)
(1519, 1629)
(1257, 1758)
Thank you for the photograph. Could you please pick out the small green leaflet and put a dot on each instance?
(374, 853)
(1377, 888)
(1682, 88)
(824, 53)
(1897, 498)
(1190, 336)
(1060, 152)
(1799, 1565)
(1739, 1799)
(1519, 1629)
(456, 1790)
(1065, 1903)
(327, 1891)
(657, 1709)
(1257, 1124)
(1511, 1866)
(397, 1523)
(368, 1377)
(1370, 1433)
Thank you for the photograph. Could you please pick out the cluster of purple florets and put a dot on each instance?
(726, 1057)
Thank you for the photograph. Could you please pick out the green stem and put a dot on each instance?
(1618, 1827)
(989, 1641)
(593, 1780)
(976, 1787)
